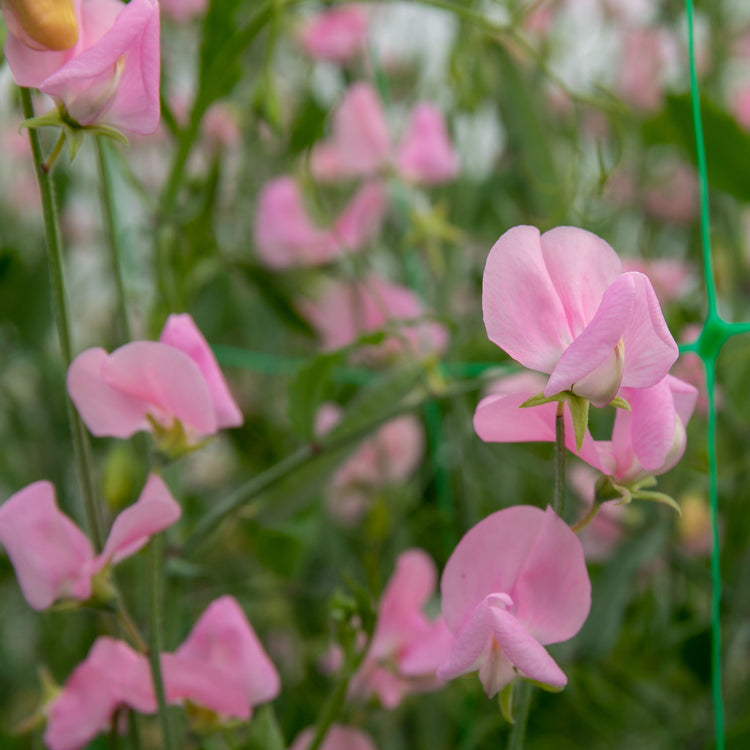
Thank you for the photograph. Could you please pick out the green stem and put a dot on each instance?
(517, 737)
(134, 731)
(559, 499)
(108, 210)
(47, 165)
(588, 518)
(53, 242)
(155, 564)
(130, 627)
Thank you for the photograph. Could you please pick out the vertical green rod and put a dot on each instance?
(53, 242)
(560, 456)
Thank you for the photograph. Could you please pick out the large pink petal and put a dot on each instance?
(154, 511)
(498, 419)
(223, 638)
(181, 332)
(522, 310)
(425, 655)
(650, 349)
(167, 379)
(362, 217)
(652, 424)
(335, 34)
(525, 653)
(50, 554)
(552, 593)
(581, 267)
(105, 409)
(426, 154)
(471, 641)
(685, 397)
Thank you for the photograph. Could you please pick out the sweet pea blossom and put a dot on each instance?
(336, 34)
(406, 647)
(560, 304)
(110, 75)
(648, 440)
(516, 582)
(111, 676)
(426, 153)
(175, 378)
(346, 310)
(285, 236)
(53, 558)
(221, 665)
(338, 738)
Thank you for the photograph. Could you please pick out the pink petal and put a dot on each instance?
(154, 511)
(650, 349)
(524, 652)
(652, 423)
(472, 639)
(49, 552)
(685, 397)
(362, 217)
(424, 656)
(498, 419)
(336, 34)
(112, 675)
(224, 639)
(338, 738)
(181, 332)
(426, 154)
(594, 350)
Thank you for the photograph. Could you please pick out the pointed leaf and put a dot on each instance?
(579, 410)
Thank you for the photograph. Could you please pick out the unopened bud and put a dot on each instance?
(42, 24)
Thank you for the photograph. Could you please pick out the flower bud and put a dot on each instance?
(42, 24)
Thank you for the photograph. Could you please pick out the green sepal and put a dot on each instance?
(620, 403)
(658, 497)
(53, 118)
(540, 399)
(108, 132)
(172, 442)
(505, 701)
(50, 691)
(74, 137)
(579, 410)
(544, 686)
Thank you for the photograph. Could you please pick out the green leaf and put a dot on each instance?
(278, 550)
(265, 732)
(307, 125)
(579, 410)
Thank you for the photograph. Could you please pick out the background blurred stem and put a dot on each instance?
(559, 499)
(517, 737)
(53, 242)
(110, 220)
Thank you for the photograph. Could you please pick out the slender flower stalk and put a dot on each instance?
(517, 737)
(53, 238)
(559, 499)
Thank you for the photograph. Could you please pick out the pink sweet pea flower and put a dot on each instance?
(345, 311)
(426, 154)
(336, 34)
(360, 145)
(516, 582)
(221, 665)
(286, 237)
(54, 559)
(176, 378)
(391, 455)
(338, 738)
(406, 647)
(111, 74)
(183, 10)
(112, 675)
(559, 303)
(646, 441)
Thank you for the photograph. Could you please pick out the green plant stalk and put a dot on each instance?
(53, 242)
(155, 568)
(517, 736)
(108, 210)
(560, 455)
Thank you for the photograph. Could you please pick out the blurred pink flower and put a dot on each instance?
(286, 237)
(406, 647)
(338, 738)
(426, 154)
(176, 378)
(641, 81)
(361, 144)
(221, 665)
(672, 192)
(220, 127)
(111, 74)
(559, 303)
(516, 582)
(389, 456)
(690, 368)
(336, 34)
(53, 558)
(670, 277)
(183, 10)
(111, 676)
(647, 441)
(740, 106)
(347, 310)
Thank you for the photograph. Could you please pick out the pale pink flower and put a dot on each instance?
(220, 127)
(406, 647)
(111, 676)
(646, 441)
(670, 277)
(111, 74)
(336, 34)
(391, 455)
(338, 738)
(426, 154)
(183, 10)
(516, 582)
(285, 236)
(54, 559)
(559, 303)
(175, 378)
(345, 311)
(221, 665)
(641, 81)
